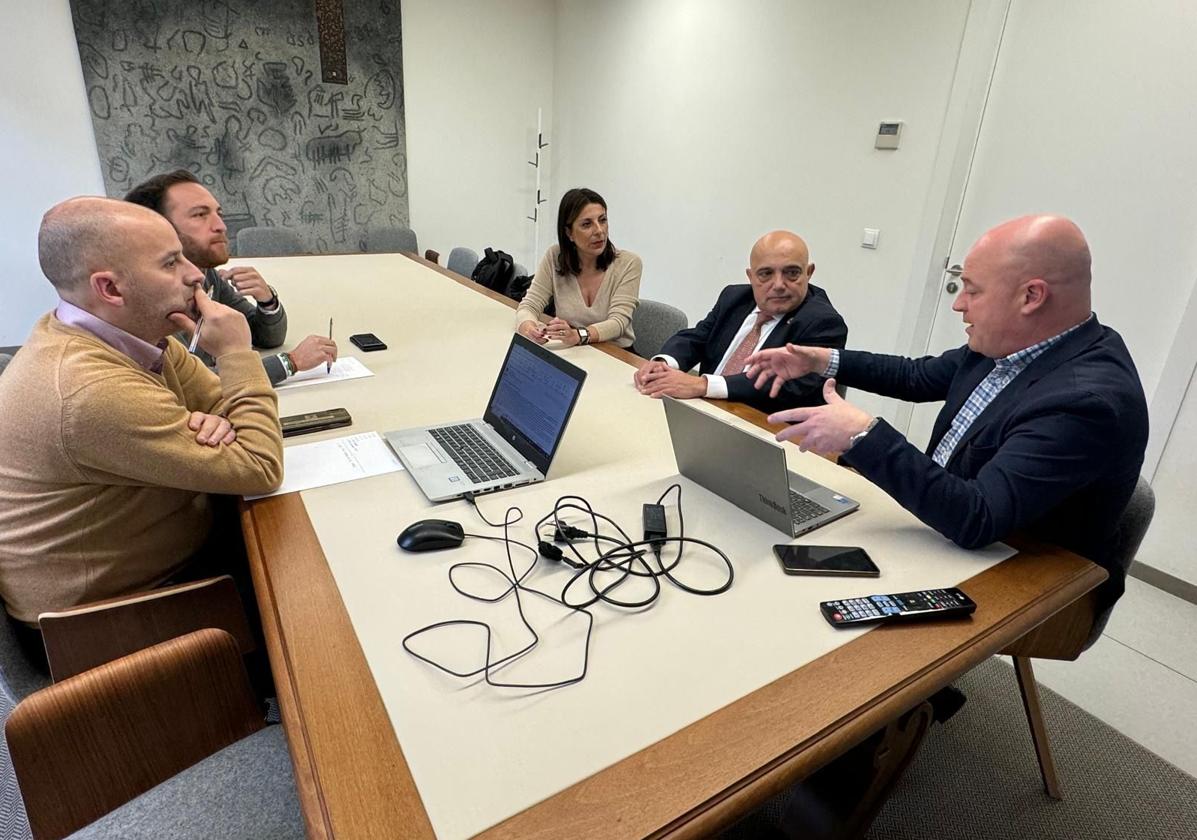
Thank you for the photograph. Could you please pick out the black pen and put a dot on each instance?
(328, 365)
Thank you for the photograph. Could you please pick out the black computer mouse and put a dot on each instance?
(431, 534)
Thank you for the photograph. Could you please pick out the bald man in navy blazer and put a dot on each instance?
(1044, 423)
(777, 306)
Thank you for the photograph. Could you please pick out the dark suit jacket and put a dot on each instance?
(815, 322)
(1056, 454)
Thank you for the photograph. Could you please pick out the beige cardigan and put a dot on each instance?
(609, 318)
(103, 489)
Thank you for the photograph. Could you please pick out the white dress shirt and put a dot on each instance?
(716, 383)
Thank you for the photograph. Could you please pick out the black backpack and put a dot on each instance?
(518, 287)
(495, 271)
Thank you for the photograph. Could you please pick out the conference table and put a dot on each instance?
(691, 714)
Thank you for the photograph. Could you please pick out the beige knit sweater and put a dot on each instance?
(609, 318)
(103, 488)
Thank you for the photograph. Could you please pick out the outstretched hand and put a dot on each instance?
(782, 364)
(823, 429)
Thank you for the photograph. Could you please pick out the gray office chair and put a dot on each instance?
(268, 242)
(1074, 629)
(391, 240)
(654, 323)
(463, 261)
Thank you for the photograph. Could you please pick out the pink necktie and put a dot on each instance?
(735, 364)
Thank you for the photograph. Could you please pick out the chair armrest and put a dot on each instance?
(88, 635)
(92, 742)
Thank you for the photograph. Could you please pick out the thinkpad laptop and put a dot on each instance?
(516, 438)
(750, 472)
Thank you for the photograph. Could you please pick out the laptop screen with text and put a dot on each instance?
(533, 399)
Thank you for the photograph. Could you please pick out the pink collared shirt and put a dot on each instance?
(148, 356)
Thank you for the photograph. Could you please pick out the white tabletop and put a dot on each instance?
(479, 754)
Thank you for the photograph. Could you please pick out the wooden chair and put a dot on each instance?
(82, 637)
(1068, 633)
(94, 741)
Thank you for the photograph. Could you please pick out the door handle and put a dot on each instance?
(951, 287)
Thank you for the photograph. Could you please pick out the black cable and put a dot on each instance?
(515, 581)
(625, 558)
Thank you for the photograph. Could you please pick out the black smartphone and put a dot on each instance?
(367, 342)
(825, 560)
(315, 421)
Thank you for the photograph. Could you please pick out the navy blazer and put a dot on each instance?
(1055, 455)
(815, 322)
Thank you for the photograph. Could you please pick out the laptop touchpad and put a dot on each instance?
(420, 455)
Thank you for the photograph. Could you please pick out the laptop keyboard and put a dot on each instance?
(477, 458)
(804, 510)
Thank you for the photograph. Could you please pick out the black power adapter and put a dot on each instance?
(655, 529)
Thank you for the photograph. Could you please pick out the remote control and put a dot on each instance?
(903, 606)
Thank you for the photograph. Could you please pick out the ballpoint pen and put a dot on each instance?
(328, 364)
(195, 335)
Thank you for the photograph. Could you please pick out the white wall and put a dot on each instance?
(47, 149)
(705, 124)
(474, 74)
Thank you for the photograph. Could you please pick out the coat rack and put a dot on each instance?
(535, 164)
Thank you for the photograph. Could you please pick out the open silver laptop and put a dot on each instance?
(750, 472)
(516, 438)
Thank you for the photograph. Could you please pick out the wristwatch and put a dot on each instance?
(859, 436)
(288, 364)
(583, 335)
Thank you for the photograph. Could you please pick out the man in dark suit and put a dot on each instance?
(1044, 423)
(777, 306)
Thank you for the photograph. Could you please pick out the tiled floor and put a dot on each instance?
(1141, 676)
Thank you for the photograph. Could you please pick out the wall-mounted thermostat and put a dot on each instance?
(888, 135)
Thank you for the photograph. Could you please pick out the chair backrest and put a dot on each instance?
(90, 743)
(654, 323)
(463, 261)
(392, 239)
(5, 358)
(1128, 536)
(268, 242)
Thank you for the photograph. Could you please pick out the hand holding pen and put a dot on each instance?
(219, 329)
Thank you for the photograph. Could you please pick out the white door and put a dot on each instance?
(1089, 113)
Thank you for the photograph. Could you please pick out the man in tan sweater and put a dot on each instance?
(113, 435)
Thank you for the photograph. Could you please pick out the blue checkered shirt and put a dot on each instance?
(1003, 373)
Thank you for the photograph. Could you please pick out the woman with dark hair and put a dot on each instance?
(594, 287)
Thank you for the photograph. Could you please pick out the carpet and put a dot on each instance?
(976, 776)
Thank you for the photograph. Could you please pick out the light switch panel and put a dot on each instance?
(889, 134)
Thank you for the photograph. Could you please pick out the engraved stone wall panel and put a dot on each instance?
(233, 91)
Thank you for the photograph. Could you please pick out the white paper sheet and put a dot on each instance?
(335, 461)
(346, 367)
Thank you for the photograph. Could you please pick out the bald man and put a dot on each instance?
(777, 306)
(114, 435)
(1044, 423)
